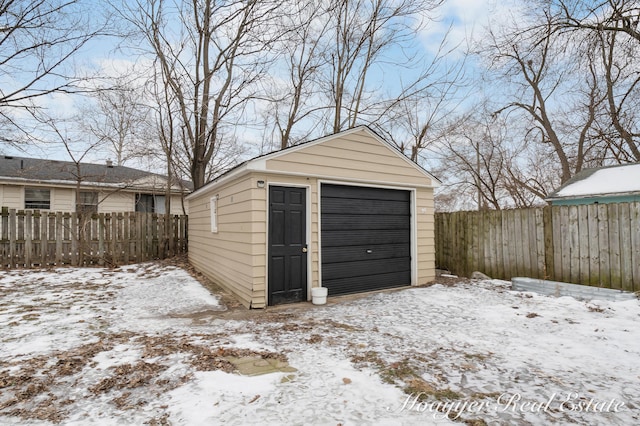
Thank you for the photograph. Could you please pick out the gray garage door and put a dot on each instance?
(366, 238)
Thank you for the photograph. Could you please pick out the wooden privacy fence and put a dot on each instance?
(596, 244)
(40, 239)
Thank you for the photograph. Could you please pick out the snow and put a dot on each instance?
(620, 179)
(117, 347)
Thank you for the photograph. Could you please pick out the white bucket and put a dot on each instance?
(319, 295)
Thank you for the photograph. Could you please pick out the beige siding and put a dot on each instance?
(123, 201)
(354, 156)
(176, 205)
(228, 256)
(63, 199)
(426, 250)
(111, 202)
(12, 196)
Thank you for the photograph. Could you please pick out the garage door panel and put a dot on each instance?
(366, 283)
(364, 207)
(364, 237)
(364, 193)
(333, 222)
(367, 252)
(364, 267)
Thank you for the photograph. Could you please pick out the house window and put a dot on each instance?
(214, 214)
(150, 203)
(37, 198)
(87, 202)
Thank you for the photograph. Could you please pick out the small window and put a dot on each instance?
(158, 204)
(144, 203)
(150, 203)
(36, 198)
(214, 214)
(87, 202)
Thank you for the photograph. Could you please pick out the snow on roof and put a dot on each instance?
(603, 181)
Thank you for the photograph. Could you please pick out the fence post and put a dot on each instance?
(58, 217)
(547, 223)
(154, 235)
(28, 230)
(185, 234)
(126, 237)
(634, 216)
(139, 237)
(101, 239)
(44, 236)
(12, 238)
(115, 250)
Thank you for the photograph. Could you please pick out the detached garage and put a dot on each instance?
(348, 212)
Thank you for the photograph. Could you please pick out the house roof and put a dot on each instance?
(257, 163)
(601, 182)
(34, 170)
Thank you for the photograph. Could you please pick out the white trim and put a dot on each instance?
(365, 182)
(216, 183)
(6, 180)
(414, 236)
(258, 164)
(600, 195)
(213, 214)
(414, 222)
(307, 197)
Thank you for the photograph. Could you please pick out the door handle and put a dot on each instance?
(304, 249)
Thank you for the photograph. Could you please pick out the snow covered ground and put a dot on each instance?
(147, 344)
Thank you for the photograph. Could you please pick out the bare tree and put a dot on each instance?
(473, 153)
(483, 161)
(332, 52)
(38, 39)
(543, 75)
(62, 132)
(613, 28)
(609, 16)
(211, 55)
(420, 114)
(292, 90)
(621, 85)
(362, 31)
(115, 116)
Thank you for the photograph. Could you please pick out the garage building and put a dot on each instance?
(348, 212)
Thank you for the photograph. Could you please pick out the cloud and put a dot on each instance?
(465, 21)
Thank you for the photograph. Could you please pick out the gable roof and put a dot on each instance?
(601, 182)
(258, 163)
(30, 170)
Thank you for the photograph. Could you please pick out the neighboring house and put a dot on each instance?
(612, 184)
(348, 212)
(30, 183)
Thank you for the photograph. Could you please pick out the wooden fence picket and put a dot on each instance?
(33, 238)
(596, 244)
